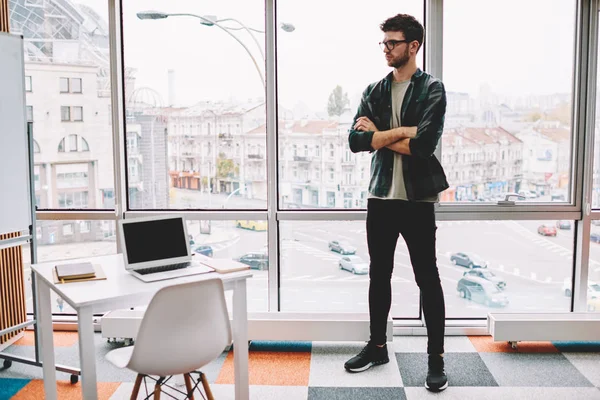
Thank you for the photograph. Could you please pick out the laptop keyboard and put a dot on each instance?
(163, 268)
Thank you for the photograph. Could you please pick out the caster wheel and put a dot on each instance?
(74, 379)
(7, 364)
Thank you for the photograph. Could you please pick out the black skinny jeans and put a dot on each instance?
(415, 221)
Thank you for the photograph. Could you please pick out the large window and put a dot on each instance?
(339, 57)
(190, 109)
(67, 56)
(508, 120)
(195, 138)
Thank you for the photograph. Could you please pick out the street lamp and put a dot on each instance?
(212, 21)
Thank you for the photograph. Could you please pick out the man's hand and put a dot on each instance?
(364, 124)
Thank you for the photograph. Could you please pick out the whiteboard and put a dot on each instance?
(15, 207)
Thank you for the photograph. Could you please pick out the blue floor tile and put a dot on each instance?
(10, 386)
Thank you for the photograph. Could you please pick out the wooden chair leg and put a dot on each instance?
(136, 387)
(209, 394)
(188, 386)
(157, 391)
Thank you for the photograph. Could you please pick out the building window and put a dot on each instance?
(73, 199)
(77, 113)
(29, 113)
(85, 226)
(76, 85)
(65, 113)
(68, 114)
(28, 84)
(70, 85)
(64, 85)
(67, 229)
(36, 147)
(331, 151)
(73, 143)
(71, 180)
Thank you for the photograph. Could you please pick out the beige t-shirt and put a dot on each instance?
(398, 188)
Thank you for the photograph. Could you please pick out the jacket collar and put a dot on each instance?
(418, 73)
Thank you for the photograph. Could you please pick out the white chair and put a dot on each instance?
(184, 328)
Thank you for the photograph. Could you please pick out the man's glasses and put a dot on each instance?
(390, 44)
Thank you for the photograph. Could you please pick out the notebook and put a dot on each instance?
(75, 271)
(223, 265)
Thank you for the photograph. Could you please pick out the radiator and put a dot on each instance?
(12, 289)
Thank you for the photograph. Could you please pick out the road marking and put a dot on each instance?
(323, 278)
(299, 277)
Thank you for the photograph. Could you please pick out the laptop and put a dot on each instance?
(157, 248)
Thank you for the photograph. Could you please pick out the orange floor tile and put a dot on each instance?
(66, 391)
(485, 344)
(292, 368)
(61, 339)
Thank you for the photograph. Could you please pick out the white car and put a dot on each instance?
(354, 264)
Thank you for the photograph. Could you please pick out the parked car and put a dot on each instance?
(527, 194)
(563, 224)
(191, 239)
(547, 230)
(558, 197)
(488, 276)
(595, 237)
(341, 247)
(481, 291)
(354, 264)
(204, 250)
(465, 260)
(255, 260)
(593, 288)
(252, 225)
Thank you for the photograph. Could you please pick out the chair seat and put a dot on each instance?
(120, 357)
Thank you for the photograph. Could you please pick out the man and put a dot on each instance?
(400, 119)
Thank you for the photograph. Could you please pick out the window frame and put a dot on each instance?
(584, 80)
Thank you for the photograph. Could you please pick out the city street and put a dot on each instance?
(534, 267)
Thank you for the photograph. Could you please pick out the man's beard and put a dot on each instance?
(400, 61)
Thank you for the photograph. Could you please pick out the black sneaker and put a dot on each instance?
(369, 356)
(436, 376)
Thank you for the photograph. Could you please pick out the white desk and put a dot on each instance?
(121, 290)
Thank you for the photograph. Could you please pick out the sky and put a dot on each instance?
(515, 47)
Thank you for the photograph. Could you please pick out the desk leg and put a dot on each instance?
(240, 341)
(87, 354)
(44, 321)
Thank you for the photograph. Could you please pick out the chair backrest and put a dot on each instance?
(184, 328)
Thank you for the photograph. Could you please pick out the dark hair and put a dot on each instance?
(407, 24)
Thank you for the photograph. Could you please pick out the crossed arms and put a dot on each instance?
(396, 139)
(418, 141)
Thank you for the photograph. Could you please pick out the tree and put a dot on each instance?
(338, 101)
(226, 168)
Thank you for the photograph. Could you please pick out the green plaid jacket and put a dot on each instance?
(424, 106)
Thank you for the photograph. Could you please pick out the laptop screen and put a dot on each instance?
(154, 240)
